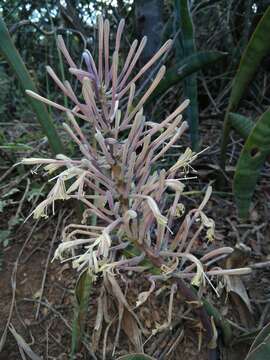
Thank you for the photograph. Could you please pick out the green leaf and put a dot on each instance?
(136, 357)
(184, 68)
(186, 47)
(220, 321)
(241, 124)
(82, 295)
(10, 52)
(260, 349)
(252, 158)
(257, 48)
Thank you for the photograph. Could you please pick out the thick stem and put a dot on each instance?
(199, 309)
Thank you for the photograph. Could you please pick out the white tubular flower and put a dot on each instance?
(41, 209)
(63, 157)
(206, 197)
(143, 296)
(58, 192)
(67, 246)
(209, 224)
(174, 184)
(82, 260)
(91, 257)
(161, 219)
(78, 183)
(184, 160)
(104, 244)
(51, 168)
(69, 173)
(130, 214)
(37, 161)
(199, 278)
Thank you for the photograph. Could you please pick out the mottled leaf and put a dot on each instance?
(258, 47)
(252, 158)
(241, 124)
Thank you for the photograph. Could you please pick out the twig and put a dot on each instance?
(18, 25)
(261, 265)
(60, 216)
(22, 199)
(39, 247)
(9, 170)
(13, 286)
(176, 338)
(43, 303)
(264, 315)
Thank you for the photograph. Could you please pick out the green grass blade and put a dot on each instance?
(187, 44)
(82, 294)
(11, 54)
(186, 67)
(252, 158)
(258, 47)
(241, 124)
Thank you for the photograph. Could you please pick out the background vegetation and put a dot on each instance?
(220, 60)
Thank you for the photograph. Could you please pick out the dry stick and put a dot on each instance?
(10, 169)
(61, 317)
(57, 341)
(39, 247)
(15, 182)
(261, 265)
(22, 199)
(170, 342)
(60, 216)
(13, 285)
(263, 316)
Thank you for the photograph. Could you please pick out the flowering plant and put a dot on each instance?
(114, 179)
